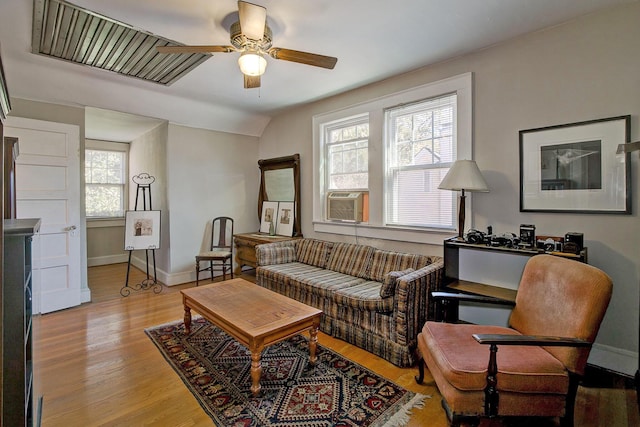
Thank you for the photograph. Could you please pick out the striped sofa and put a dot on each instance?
(375, 299)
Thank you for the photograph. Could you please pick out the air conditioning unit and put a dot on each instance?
(344, 206)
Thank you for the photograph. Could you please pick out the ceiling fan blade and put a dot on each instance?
(251, 82)
(303, 57)
(252, 20)
(195, 49)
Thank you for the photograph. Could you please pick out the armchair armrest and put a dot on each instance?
(448, 302)
(444, 296)
(531, 340)
(493, 340)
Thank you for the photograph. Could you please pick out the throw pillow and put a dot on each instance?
(386, 261)
(389, 282)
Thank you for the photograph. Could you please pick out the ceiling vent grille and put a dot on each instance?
(68, 32)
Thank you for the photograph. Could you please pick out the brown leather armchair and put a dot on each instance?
(532, 368)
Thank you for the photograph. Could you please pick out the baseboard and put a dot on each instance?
(141, 264)
(168, 279)
(107, 259)
(85, 295)
(614, 359)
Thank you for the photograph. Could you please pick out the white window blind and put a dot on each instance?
(420, 148)
(105, 183)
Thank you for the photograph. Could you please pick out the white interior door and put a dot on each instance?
(48, 187)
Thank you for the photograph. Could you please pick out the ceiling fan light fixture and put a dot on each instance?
(252, 63)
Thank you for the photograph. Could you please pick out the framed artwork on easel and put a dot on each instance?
(142, 230)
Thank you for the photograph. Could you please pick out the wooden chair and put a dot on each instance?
(557, 313)
(220, 255)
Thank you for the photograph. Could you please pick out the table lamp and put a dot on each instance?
(463, 176)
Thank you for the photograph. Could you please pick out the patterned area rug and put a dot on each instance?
(336, 392)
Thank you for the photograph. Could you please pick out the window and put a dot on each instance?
(397, 148)
(105, 179)
(348, 154)
(420, 148)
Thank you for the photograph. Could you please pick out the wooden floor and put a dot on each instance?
(95, 366)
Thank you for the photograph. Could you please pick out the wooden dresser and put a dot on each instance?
(246, 247)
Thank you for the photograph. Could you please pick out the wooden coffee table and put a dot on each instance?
(253, 315)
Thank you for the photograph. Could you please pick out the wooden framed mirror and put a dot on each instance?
(280, 182)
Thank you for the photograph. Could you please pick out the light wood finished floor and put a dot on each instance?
(95, 366)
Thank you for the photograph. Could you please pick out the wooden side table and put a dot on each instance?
(246, 247)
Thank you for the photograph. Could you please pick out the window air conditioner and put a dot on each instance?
(344, 206)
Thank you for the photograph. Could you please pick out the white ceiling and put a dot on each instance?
(372, 39)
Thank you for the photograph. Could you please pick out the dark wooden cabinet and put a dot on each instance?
(475, 284)
(18, 403)
(10, 148)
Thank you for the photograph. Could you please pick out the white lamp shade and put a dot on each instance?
(252, 63)
(464, 175)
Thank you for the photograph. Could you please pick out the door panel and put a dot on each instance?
(48, 187)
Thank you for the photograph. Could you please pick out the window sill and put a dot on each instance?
(105, 222)
(431, 237)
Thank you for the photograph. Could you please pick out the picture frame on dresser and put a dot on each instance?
(574, 167)
(269, 217)
(286, 218)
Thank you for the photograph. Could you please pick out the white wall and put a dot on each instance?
(148, 154)
(209, 174)
(585, 69)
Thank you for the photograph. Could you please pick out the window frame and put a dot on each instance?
(390, 115)
(99, 145)
(341, 124)
(462, 86)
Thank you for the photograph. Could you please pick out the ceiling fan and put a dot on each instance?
(253, 38)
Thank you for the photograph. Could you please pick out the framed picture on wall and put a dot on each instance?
(284, 222)
(575, 168)
(142, 230)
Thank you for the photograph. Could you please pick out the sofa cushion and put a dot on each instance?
(313, 252)
(386, 261)
(463, 361)
(364, 296)
(283, 272)
(351, 259)
(323, 282)
(388, 287)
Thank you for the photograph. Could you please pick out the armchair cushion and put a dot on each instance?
(463, 361)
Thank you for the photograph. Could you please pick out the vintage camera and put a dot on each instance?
(527, 235)
(507, 240)
(573, 242)
(476, 237)
(549, 244)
